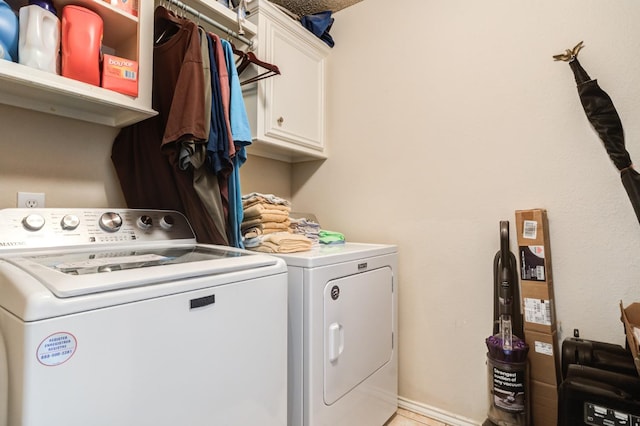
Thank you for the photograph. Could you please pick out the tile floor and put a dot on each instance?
(408, 418)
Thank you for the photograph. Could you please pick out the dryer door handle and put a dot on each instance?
(336, 341)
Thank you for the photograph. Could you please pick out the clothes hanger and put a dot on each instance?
(239, 53)
(248, 58)
(167, 22)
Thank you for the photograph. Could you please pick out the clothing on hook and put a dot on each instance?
(146, 155)
(201, 127)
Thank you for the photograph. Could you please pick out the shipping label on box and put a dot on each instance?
(538, 311)
(538, 307)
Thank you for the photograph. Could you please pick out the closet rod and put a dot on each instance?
(180, 5)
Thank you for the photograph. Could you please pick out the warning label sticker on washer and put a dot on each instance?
(56, 349)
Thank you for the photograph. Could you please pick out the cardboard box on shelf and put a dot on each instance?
(544, 403)
(129, 6)
(630, 316)
(538, 308)
(544, 357)
(120, 75)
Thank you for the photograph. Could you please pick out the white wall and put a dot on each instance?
(444, 118)
(70, 161)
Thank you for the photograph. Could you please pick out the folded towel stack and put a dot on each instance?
(282, 242)
(265, 226)
(307, 228)
(264, 214)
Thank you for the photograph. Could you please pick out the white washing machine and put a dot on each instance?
(118, 317)
(343, 363)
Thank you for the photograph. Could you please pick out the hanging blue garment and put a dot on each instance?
(240, 128)
(218, 143)
(319, 24)
(241, 133)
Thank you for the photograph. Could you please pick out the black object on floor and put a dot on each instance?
(600, 387)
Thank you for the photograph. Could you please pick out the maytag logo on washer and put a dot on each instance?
(335, 292)
(11, 243)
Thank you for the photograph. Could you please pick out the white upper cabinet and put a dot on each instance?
(125, 35)
(287, 111)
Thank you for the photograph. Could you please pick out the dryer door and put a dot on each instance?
(358, 321)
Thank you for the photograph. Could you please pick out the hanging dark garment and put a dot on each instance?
(604, 118)
(145, 174)
(178, 96)
(195, 154)
(218, 139)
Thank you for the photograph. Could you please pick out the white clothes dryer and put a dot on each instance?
(343, 364)
(119, 317)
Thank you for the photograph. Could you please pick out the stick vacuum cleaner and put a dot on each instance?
(507, 365)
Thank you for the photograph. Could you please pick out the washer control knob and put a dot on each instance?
(144, 222)
(33, 222)
(69, 222)
(167, 222)
(111, 222)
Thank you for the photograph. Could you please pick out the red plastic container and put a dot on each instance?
(81, 42)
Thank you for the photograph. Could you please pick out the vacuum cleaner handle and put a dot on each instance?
(505, 276)
(505, 273)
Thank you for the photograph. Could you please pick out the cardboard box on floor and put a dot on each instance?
(536, 279)
(543, 357)
(544, 403)
(630, 317)
(536, 292)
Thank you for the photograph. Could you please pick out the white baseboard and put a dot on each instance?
(435, 413)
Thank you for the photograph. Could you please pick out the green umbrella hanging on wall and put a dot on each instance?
(604, 118)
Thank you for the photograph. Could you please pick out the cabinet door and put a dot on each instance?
(287, 112)
(295, 99)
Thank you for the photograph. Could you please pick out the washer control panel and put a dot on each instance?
(53, 227)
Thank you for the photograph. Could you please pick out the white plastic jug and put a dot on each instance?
(39, 42)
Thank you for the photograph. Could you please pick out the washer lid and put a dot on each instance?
(80, 272)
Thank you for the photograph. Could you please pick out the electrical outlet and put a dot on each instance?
(31, 200)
